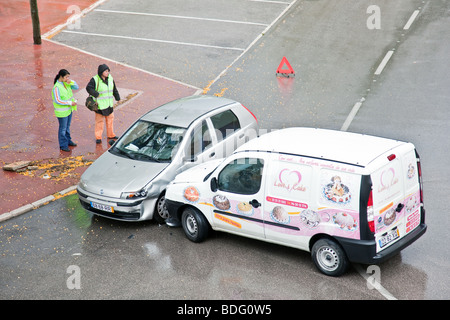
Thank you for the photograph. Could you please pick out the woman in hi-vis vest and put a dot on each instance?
(64, 104)
(103, 88)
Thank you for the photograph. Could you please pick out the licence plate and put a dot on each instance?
(389, 237)
(102, 207)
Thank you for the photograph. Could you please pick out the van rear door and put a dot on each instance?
(395, 198)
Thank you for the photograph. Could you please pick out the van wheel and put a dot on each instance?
(161, 212)
(329, 257)
(194, 224)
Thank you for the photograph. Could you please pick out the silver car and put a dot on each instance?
(128, 181)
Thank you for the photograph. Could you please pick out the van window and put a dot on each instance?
(225, 123)
(242, 176)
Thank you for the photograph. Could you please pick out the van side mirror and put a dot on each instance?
(214, 184)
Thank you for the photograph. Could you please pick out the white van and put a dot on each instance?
(342, 196)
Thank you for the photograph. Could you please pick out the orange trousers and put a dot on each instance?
(99, 126)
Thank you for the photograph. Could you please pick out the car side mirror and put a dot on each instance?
(214, 184)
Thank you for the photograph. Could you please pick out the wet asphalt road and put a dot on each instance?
(335, 57)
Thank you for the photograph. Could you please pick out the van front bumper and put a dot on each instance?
(364, 251)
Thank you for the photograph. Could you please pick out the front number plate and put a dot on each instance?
(391, 236)
(102, 207)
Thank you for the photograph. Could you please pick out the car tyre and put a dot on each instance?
(194, 224)
(329, 257)
(161, 212)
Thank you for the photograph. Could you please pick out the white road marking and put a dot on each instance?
(378, 71)
(125, 65)
(152, 40)
(71, 19)
(180, 17)
(411, 20)
(384, 62)
(250, 45)
(351, 115)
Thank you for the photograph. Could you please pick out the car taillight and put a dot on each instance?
(370, 220)
(251, 113)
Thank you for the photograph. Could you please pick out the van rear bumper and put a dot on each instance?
(364, 251)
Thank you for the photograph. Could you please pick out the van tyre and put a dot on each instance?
(194, 224)
(161, 212)
(329, 257)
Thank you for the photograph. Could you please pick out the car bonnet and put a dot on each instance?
(110, 175)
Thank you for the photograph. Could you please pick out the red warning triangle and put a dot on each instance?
(289, 69)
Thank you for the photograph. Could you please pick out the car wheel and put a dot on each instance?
(329, 257)
(194, 224)
(161, 212)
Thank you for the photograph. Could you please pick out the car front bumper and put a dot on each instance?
(118, 209)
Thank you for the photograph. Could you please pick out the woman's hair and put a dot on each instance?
(61, 73)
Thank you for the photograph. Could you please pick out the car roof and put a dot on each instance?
(345, 147)
(182, 112)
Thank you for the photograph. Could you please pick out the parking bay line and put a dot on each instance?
(180, 17)
(153, 40)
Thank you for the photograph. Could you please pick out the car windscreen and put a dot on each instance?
(148, 141)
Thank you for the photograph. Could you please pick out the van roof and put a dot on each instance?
(345, 147)
(182, 112)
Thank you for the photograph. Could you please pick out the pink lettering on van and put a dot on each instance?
(387, 179)
(289, 180)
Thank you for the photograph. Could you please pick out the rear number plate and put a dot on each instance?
(102, 207)
(389, 237)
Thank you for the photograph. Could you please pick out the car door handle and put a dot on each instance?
(255, 203)
(212, 154)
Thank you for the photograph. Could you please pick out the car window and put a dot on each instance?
(200, 140)
(225, 124)
(242, 176)
(148, 141)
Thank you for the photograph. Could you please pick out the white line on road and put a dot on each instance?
(411, 20)
(179, 17)
(351, 115)
(153, 40)
(384, 62)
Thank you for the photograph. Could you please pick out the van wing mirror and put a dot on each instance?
(214, 184)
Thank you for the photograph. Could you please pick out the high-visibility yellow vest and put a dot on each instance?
(65, 93)
(105, 98)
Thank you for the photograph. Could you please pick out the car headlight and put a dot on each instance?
(134, 195)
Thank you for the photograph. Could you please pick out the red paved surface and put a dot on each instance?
(28, 127)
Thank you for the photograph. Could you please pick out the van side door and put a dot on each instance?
(288, 194)
(237, 204)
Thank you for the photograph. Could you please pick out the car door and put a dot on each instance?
(237, 203)
(199, 147)
(227, 132)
